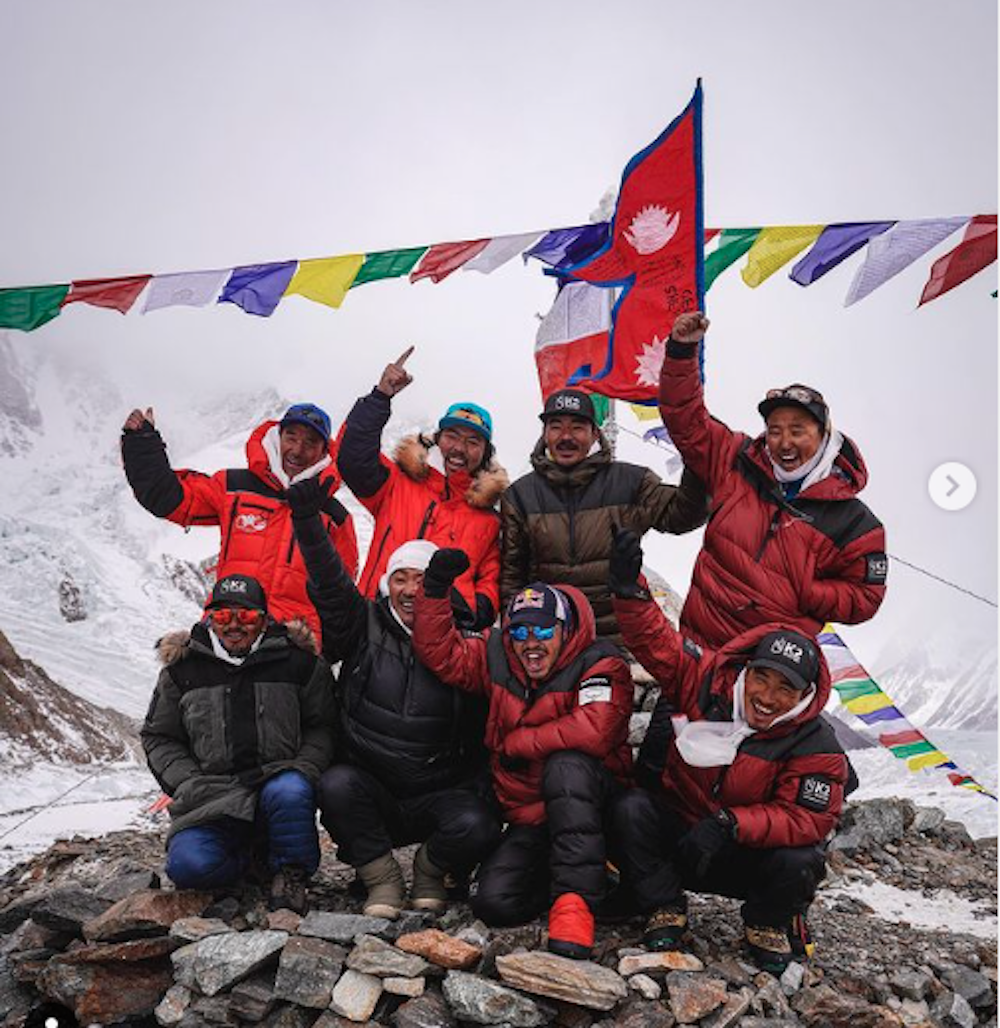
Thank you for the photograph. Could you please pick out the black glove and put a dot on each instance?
(513, 763)
(311, 496)
(445, 566)
(706, 840)
(626, 566)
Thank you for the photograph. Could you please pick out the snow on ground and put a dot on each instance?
(944, 910)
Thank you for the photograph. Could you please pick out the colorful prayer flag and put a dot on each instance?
(655, 253)
(117, 294)
(977, 250)
(184, 289)
(326, 279)
(835, 244)
(572, 334)
(774, 248)
(388, 264)
(564, 247)
(258, 288)
(444, 258)
(31, 307)
(863, 697)
(731, 245)
(499, 251)
(895, 250)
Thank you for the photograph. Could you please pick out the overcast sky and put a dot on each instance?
(181, 136)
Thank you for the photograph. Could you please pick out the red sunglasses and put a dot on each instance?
(243, 615)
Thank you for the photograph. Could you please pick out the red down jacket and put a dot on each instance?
(532, 721)
(249, 506)
(786, 785)
(820, 557)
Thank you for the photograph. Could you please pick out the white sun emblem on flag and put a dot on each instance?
(649, 362)
(652, 228)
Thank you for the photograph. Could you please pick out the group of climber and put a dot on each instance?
(482, 701)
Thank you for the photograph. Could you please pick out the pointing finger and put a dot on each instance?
(404, 357)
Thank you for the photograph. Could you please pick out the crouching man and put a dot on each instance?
(745, 778)
(238, 732)
(559, 706)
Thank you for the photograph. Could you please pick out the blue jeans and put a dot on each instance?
(217, 854)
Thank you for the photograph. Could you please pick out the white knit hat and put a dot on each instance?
(416, 554)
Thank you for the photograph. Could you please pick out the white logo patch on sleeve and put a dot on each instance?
(595, 690)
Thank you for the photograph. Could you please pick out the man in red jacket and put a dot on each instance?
(249, 505)
(557, 728)
(745, 779)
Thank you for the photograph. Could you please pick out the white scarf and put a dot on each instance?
(716, 743)
(223, 654)
(814, 470)
(272, 447)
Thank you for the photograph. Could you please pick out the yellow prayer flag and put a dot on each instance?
(868, 704)
(775, 247)
(326, 279)
(931, 759)
(644, 413)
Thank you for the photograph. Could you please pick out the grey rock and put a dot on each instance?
(172, 1007)
(914, 1012)
(288, 1016)
(477, 999)
(910, 984)
(951, 1010)
(124, 885)
(253, 999)
(17, 912)
(581, 982)
(218, 962)
(973, 986)
(194, 929)
(355, 995)
(208, 1010)
(791, 978)
(645, 986)
(426, 1011)
(877, 821)
(409, 987)
(67, 909)
(731, 1012)
(307, 971)
(373, 956)
(341, 927)
(475, 934)
(694, 995)
(928, 820)
(642, 1013)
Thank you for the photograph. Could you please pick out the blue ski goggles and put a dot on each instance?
(520, 633)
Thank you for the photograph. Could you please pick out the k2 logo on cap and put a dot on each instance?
(784, 648)
(567, 403)
(876, 568)
(233, 585)
(815, 792)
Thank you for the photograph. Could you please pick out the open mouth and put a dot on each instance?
(534, 660)
(455, 463)
(762, 711)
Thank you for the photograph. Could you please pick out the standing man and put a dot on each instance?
(442, 489)
(559, 520)
(238, 733)
(249, 504)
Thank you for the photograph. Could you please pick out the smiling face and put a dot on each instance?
(404, 585)
(792, 437)
(237, 628)
(538, 656)
(462, 449)
(767, 695)
(569, 438)
(301, 447)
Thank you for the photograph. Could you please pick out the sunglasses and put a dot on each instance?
(243, 615)
(801, 394)
(520, 633)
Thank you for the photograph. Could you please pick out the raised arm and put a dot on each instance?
(671, 508)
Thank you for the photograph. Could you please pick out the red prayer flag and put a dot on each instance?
(115, 293)
(444, 258)
(655, 253)
(977, 250)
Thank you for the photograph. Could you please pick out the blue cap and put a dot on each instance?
(311, 416)
(468, 415)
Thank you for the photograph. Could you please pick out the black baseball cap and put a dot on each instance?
(792, 654)
(797, 395)
(238, 591)
(539, 604)
(573, 402)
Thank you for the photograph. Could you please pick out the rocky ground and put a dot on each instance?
(91, 925)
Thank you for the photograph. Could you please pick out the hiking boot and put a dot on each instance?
(665, 929)
(289, 889)
(769, 947)
(571, 927)
(429, 891)
(383, 878)
(800, 938)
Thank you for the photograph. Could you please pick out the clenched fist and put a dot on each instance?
(690, 327)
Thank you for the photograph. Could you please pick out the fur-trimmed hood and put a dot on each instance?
(412, 455)
(174, 646)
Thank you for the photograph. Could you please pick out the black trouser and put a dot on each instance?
(536, 863)
(775, 883)
(459, 825)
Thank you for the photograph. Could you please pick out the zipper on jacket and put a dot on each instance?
(427, 519)
(571, 511)
(772, 528)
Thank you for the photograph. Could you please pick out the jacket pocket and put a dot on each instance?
(204, 715)
(279, 722)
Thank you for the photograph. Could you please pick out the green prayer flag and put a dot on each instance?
(912, 749)
(388, 264)
(733, 243)
(29, 308)
(602, 407)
